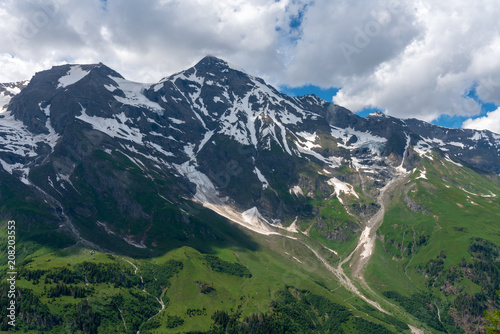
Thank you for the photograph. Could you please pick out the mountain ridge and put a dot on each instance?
(213, 100)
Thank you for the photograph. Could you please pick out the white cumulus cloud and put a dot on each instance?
(141, 40)
(410, 58)
(457, 47)
(489, 122)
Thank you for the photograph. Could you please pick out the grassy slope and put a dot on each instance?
(271, 267)
(449, 208)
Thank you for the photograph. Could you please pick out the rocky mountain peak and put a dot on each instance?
(8, 91)
(60, 93)
(213, 71)
(211, 63)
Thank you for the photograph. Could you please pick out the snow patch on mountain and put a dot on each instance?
(310, 139)
(342, 187)
(112, 127)
(130, 241)
(156, 158)
(296, 190)
(205, 140)
(251, 220)
(478, 135)
(289, 118)
(447, 158)
(157, 87)
(10, 168)
(8, 91)
(479, 195)
(234, 67)
(205, 189)
(208, 196)
(423, 148)
(422, 174)
(134, 94)
(75, 74)
(400, 168)
(4, 101)
(176, 121)
(305, 147)
(437, 142)
(16, 139)
(361, 140)
(65, 178)
(457, 144)
(14, 90)
(52, 137)
(159, 149)
(261, 177)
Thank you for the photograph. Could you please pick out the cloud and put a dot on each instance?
(410, 58)
(457, 47)
(348, 39)
(489, 122)
(144, 41)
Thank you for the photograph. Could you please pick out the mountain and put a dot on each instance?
(91, 160)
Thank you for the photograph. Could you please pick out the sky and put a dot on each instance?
(438, 61)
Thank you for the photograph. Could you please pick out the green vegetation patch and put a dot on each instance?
(422, 307)
(295, 311)
(156, 276)
(221, 266)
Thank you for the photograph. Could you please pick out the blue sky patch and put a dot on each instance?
(324, 93)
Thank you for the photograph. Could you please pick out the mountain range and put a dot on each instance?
(212, 162)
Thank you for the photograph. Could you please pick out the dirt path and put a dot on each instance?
(162, 308)
(133, 265)
(160, 301)
(124, 324)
